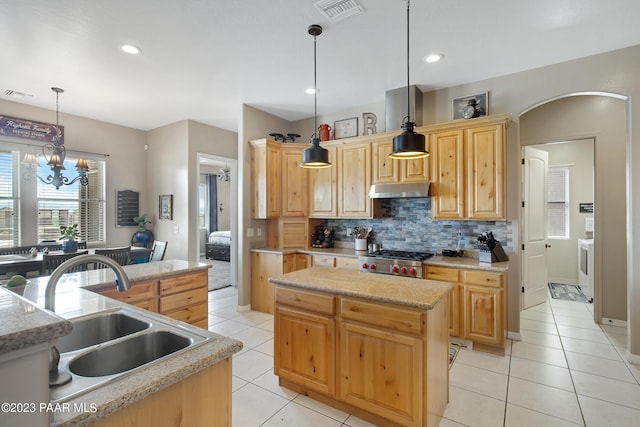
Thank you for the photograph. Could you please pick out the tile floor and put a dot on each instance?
(566, 371)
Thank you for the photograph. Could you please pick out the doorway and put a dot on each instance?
(217, 218)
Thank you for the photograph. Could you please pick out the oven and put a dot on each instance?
(397, 263)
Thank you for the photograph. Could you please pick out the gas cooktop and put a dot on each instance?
(399, 263)
(402, 255)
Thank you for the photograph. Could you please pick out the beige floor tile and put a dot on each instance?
(314, 405)
(237, 383)
(499, 364)
(613, 369)
(266, 347)
(579, 322)
(540, 338)
(541, 373)
(253, 337)
(228, 328)
(354, 421)
(610, 329)
(484, 382)
(251, 364)
(540, 316)
(598, 413)
(253, 318)
(541, 398)
(534, 325)
(473, 409)
(295, 415)
(589, 347)
(583, 334)
(517, 416)
(618, 340)
(252, 406)
(269, 381)
(539, 353)
(266, 325)
(613, 391)
(444, 422)
(544, 307)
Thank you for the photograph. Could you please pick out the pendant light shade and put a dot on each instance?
(409, 144)
(315, 156)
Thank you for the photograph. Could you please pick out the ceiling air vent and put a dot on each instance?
(15, 94)
(337, 10)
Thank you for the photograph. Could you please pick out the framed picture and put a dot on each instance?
(482, 102)
(166, 207)
(345, 128)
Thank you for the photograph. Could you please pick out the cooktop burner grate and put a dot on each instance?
(403, 255)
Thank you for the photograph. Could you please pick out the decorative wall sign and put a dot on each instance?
(166, 207)
(345, 128)
(27, 129)
(586, 207)
(369, 121)
(481, 100)
(127, 203)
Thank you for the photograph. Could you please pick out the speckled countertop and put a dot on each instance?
(438, 260)
(406, 291)
(73, 299)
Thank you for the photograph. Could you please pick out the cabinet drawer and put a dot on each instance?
(443, 274)
(138, 291)
(348, 263)
(324, 261)
(171, 285)
(183, 299)
(304, 300)
(397, 319)
(191, 314)
(483, 278)
(147, 304)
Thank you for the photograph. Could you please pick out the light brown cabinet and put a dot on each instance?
(469, 173)
(265, 265)
(335, 262)
(389, 171)
(354, 181)
(182, 297)
(295, 185)
(476, 304)
(266, 168)
(323, 188)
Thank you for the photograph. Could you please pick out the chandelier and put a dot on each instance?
(224, 174)
(55, 154)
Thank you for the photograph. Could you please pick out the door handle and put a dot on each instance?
(547, 246)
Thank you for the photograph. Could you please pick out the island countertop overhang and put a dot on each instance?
(409, 292)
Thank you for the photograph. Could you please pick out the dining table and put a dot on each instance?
(25, 263)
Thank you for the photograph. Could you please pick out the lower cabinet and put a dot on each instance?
(369, 356)
(476, 304)
(182, 297)
(335, 262)
(265, 265)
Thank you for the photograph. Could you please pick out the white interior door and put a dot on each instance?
(534, 255)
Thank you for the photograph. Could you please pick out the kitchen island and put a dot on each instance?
(376, 346)
(176, 390)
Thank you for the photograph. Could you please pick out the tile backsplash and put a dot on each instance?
(406, 224)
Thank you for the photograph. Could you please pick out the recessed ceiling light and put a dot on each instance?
(129, 48)
(311, 91)
(433, 57)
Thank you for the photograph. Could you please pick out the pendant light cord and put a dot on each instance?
(315, 90)
(408, 103)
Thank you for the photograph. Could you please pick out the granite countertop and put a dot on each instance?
(74, 299)
(437, 260)
(405, 291)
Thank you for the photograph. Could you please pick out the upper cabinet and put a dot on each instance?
(469, 170)
(295, 186)
(323, 189)
(354, 180)
(389, 171)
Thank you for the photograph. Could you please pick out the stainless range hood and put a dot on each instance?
(399, 191)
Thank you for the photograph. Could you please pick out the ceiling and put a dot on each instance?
(203, 59)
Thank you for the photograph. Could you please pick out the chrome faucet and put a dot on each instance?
(122, 280)
(122, 284)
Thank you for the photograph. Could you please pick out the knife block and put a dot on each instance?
(489, 255)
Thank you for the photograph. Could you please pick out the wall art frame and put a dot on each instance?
(165, 207)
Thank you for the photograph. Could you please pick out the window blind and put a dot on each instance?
(9, 232)
(558, 202)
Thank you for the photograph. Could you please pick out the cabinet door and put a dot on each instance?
(483, 314)
(265, 178)
(305, 349)
(485, 154)
(354, 181)
(417, 170)
(452, 276)
(295, 186)
(381, 372)
(303, 261)
(323, 189)
(447, 190)
(385, 169)
(263, 266)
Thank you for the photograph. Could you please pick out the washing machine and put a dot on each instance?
(585, 267)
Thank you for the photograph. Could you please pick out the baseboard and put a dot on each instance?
(632, 358)
(515, 336)
(243, 308)
(614, 322)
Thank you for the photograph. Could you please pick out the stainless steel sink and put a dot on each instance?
(106, 346)
(98, 329)
(127, 354)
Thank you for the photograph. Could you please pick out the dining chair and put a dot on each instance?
(158, 250)
(51, 261)
(121, 255)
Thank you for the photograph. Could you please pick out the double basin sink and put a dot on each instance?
(107, 345)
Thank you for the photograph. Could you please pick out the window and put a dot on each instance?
(558, 203)
(9, 232)
(71, 204)
(202, 205)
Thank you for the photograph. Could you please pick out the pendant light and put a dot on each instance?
(315, 156)
(409, 144)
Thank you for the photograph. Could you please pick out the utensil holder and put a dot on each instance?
(361, 244)
(489, 255)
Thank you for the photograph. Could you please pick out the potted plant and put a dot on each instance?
(142, 237)
(68, 235)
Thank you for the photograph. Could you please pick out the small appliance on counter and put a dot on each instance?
(490, 249)
(323, 238)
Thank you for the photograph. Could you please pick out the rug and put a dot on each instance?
(219, 273)
(453, 352)
(567, 292)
